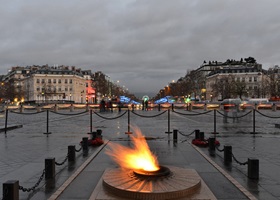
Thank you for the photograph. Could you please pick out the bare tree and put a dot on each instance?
(224, 87)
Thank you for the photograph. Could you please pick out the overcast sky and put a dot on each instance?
(145, 44)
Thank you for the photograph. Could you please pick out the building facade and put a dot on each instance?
(247, 81)
(43, 84)
(55, 85)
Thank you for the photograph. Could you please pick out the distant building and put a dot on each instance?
(51, 84)
(251, 74)
(45, 85)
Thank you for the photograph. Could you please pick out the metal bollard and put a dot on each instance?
(49, 168)
(71, 153)
(253, 168)
(212, 148)
(99, 133)
(201, 135)
(175, 135)
(227, 154)
(11, 190)
(158, 107)
(197, 133)
(85, 146)
(172, 106)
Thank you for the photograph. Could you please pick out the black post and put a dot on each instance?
(227, 154)
(99, 133)
(11, 190)
(49, 168)
(197, 133)
(175, 135)
(254, 122)
(201, 136)
(215, 122)
(128, 123)
(6, 121)
(159, 107)
(172, 106)
(71, 153)
(253, 168)
(90, 120)
(212, 148)
(168, 131)
(47, 133)
(85, 145)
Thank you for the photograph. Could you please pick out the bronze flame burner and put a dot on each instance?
(163, 171)
(165, 183)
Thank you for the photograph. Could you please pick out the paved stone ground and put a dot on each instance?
(23, 150)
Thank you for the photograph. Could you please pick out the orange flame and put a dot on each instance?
(137, 157)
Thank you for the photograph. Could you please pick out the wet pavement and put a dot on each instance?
(24, 150)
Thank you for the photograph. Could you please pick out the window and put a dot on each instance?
(49, 80)
(66, 80)
(59, 89)
(59, 80)
(70, 89)
(255, 79)
(54, 80)
(38, 80)
(243, 79)
(43, 81)
(250, 79)
(66, 89)
(70, 81)
(38, 89)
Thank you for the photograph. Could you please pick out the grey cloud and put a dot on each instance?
(144, 44)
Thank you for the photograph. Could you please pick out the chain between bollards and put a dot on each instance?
(35, 186)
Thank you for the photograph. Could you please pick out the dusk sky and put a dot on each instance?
(145, 44)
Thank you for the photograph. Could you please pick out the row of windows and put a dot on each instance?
(251, 79)
(53, 81)
(251, 87)
(66, 89)
(243, 79)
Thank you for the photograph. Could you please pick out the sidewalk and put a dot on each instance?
(182, 155)
(24, 149)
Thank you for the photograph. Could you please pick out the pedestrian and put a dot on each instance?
(146, 104)
(120, 106)
(102, 105)
(110, 106)
(234, 113)
(225, 116)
